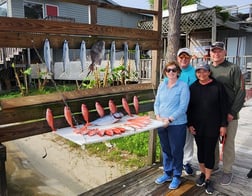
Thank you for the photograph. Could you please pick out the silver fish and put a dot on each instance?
(126, 54)
(112, 55)
(108, 119)
(137, 57)
(47, 55)
(97, 53)
(83, 55)
(66, 60)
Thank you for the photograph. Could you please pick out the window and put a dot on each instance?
(51, 10)
(33, 10)
(3, 9)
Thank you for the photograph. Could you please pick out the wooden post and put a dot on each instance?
(152, 143)
(3, 184)
(152, 147)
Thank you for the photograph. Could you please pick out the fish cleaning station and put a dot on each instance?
(96, 114)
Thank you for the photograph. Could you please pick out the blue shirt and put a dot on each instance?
(187, 75)
(172, 102)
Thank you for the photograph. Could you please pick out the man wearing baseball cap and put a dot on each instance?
(187, 75)
(230, 76)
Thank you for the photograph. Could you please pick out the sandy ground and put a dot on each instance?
(46, 165)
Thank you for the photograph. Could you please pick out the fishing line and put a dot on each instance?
(54, 83)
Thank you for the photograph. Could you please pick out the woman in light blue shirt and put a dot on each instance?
(170, 106)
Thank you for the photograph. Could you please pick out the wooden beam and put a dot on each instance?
(57, 97)
(74, 29)
(27, 40)
(27, 33)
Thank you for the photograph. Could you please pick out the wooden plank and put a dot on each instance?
(121, 184)
(28, 33)
(184, 187)
(38, 111)
(28, 40)
(23, 117)
(32, 26)
(68, 96)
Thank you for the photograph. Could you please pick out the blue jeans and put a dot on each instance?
(172, 140)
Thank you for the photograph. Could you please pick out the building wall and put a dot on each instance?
(80, 13)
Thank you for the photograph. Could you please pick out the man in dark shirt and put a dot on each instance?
(230, 76)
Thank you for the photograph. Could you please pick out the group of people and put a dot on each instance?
(200, 104)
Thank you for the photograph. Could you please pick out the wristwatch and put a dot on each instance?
(170, 121)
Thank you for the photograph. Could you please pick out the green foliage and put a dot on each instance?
(183, 3)
(131, 151)
(223, 14)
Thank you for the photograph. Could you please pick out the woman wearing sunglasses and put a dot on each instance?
(207, 120)
(170, 106)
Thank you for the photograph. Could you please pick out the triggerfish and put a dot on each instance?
(97, 53)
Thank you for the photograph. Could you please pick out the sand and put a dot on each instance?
(46, 165)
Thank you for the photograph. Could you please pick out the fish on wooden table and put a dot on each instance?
(68, 116)
(47, 56)
(50, 119)
(85, 113)
(97, 53)
(112, 106)
(83, 55)
(136, 104)
(126, 106)
(108, 119)
(99, 109)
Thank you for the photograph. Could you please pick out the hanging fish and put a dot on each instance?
(47, 55)
(137, 57)
(126, 106)
(66, 60)
(97, 53)
(112, 55)
(126, 54)
(136, 104)
(83, 55)
(50, 119)
(99, 109)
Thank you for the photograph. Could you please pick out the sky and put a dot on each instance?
(144, 4)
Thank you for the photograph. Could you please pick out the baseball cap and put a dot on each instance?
(202, 65)
(219, 45)
(184, 50)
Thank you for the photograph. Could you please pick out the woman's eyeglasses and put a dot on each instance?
(169, 70)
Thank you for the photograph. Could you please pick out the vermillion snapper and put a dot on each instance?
(97, 53)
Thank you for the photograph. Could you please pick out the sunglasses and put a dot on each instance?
(184, 57)
(169, 70)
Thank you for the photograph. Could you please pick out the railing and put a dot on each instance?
(245, 63)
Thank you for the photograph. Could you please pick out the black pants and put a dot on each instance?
(206, 148)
